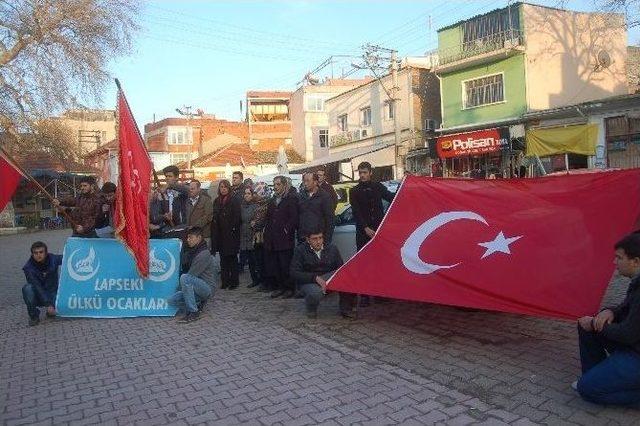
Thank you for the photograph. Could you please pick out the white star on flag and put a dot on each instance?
(499, 244)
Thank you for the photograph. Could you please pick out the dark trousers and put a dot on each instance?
(249, 257)
(229, 271)
(610, 372)
(278, 263)
(35, 296)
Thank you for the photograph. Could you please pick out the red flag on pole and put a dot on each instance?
(10, 176)
(540, 247)
(134, 182)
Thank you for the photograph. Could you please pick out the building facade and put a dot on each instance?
(269, 120)
(309, 118)
(496, 67)
(91, 128)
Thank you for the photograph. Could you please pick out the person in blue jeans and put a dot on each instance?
(610, 341)
(197, 281)
(41, 272)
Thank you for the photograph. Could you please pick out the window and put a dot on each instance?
(179, 157)
(342, 122)
(623, 141)
(365, 114)
(104, 136)
(483, 91)
(389, 110)
(315, 103)
(178, 136)
(323, 136)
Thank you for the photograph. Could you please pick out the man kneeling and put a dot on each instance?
(610, 341)
(197, 281)
(312, 265)
(41, 272)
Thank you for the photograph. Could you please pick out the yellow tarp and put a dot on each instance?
(578, 139)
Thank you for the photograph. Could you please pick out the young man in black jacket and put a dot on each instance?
(316, 208)
(610, 341)
(41, 272)
(313, 263)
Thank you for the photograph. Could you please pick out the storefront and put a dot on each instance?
(482, 154)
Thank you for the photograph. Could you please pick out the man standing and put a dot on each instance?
(177, 194)
(41, 272)
(312, 265)
(199, 209)
(316, 209)
(366, 204)
(104, 221)
(86, 208)
(281, 221)
(610, 341)
(327, 187)
(237, 186)
(197, 281)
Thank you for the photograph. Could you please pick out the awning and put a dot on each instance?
(578, 139)
(342, 156)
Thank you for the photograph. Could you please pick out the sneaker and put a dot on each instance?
(288, 294)
(277, 294)
(348, 315)
(252, 285)
(190, 317)
(201, 304)
(33, 322)
(574, 386)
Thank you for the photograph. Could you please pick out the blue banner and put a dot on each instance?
(99, 279)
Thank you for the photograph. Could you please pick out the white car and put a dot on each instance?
(344, 233)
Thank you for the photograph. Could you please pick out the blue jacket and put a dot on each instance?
(44, 279)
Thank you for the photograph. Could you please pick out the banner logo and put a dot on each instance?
(83, 269)
(158, 270)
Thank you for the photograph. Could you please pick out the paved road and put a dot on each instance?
(257, 361)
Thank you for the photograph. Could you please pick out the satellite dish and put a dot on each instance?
(604, 60)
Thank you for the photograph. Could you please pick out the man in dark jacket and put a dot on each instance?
(237, 185)
(313, 264)
(281, 221)
(199, 209)
(104, 221)
(41, 272)
(316, 209)
(610, 341)
(83, 209)
(197, 280)
(177, 197)
(327, 187)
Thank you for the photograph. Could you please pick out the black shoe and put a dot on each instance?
(348, 315)
(252, 285)
(288, 294)
(233, 287)
(277, 294)
(33, 322)
(201, 304)
(299, 295)
(190, 317)
(223, 287)
(263, 289)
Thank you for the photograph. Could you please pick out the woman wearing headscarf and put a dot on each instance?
(225, 234)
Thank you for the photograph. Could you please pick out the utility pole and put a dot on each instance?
(373, 61)
(186, 111)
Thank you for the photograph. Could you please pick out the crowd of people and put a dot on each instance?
(285, 240)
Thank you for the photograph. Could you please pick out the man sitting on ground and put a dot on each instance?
(197, 281)
(312, 265)
(41, 272)
(610, 341)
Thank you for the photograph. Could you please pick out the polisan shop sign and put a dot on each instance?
(473, 143)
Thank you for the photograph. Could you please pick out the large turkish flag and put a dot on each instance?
(132, 193)
(539, 247)
(10, 176)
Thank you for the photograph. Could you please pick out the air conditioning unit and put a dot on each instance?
(430, 125)
(364, 133)
(356, 135)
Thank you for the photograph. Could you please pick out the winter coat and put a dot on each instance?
(201, 214)
(247, 232)
(328, 188)
(44, 276)
(306, 266)
(179, 194)
(366, 204)
(281, 222)
(625, 328)
(197, 261)
(86, 211)
(225, 227)
(316, 212)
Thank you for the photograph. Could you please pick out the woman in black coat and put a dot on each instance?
(225, 234)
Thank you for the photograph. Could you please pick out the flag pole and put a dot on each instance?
(24, 173)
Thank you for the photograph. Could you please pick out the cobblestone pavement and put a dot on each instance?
(257, 361)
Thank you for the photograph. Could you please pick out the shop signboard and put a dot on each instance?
(473, 143)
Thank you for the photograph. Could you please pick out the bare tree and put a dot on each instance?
(54, 55)
(630, 8)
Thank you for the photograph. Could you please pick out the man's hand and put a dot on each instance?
(51, 311)
(55, 202)
(153, 227)
(370, 232)
(585, 323)
(322, 283)
(79, 229)
(167, 216)
(105, 208)
(603, 318)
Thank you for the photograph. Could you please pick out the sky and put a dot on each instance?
(208, 54)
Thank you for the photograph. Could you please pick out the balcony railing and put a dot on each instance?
(497, 41)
